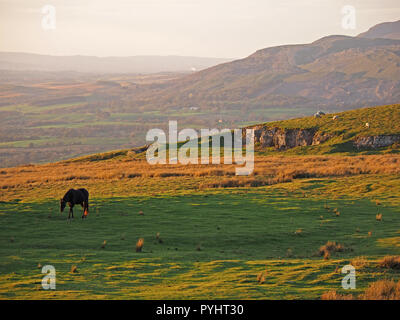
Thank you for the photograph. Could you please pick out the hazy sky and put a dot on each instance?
(213, 28)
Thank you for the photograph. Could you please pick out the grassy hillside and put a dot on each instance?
(383, 120)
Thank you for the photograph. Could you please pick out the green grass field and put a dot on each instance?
(214, 243)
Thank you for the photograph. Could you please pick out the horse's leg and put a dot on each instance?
(69, 214)
(84, 208)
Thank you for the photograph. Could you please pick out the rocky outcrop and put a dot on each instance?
(287, 138)
(374, 142)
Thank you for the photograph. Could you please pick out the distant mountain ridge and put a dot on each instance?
(335, 72)
(387, 30)
(92, 64)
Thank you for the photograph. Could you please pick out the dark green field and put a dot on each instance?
(214, 244)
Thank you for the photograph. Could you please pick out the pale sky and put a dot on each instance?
(209, 28)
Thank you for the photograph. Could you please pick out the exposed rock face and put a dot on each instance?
(374, 142)
(290, 138)
(286, 138)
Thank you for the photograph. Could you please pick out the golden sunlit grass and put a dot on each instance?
(382, 290)
(378, 290)
(268, 171)
(359, 262)
(333, 295)
(126, 176)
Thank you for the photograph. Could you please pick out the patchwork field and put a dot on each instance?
(203, 238)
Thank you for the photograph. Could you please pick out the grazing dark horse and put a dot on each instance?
(73, 197)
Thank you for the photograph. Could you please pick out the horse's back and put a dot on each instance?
(85, 193)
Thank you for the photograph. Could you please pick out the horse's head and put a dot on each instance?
(63, 203)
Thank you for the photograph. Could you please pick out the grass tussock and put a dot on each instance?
(298, 232)
(139, 245)
(261, 277)
(329, 248)
(390, 262)
(336, 212)
(158, 238)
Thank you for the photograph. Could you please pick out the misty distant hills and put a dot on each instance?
(91, 64)
(335, 72)
(387, 30)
